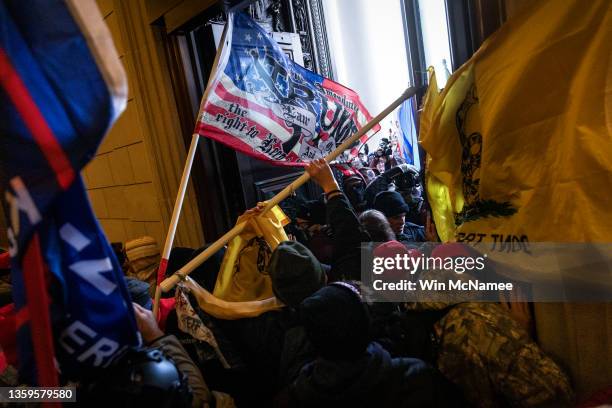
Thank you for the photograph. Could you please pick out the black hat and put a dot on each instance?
(336, 322)
(313, 211)
(390, 203)
(295, 272)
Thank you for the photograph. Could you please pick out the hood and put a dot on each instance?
(332, 383)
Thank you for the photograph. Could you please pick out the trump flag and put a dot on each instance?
(265, 105)
(61, 88)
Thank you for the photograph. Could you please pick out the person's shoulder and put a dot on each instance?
(409, 224)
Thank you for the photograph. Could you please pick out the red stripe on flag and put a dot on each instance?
(8, 333)
(34, 270)
(249, 105)
(35, 122)
(348, 93)
(22, 317)
(340, 89)
(354, 98)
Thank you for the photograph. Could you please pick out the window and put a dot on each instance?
(379, 48)
(436, 42)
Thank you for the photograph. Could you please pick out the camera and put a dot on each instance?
(384, 148)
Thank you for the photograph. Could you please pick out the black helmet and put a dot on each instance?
(141, 377)
(409, 185)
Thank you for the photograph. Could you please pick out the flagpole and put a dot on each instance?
(171, 281)
(176, 213)
(178, 205)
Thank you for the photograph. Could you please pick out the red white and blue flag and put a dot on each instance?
(61, 88)
(267, 106)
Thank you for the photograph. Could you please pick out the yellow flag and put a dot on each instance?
(519, 141)
(243, 275)
(437, 191)
(431, 100)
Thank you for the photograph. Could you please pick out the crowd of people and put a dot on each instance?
(328, 346)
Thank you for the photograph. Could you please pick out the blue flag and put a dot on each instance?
(61, 88)
(409, 139)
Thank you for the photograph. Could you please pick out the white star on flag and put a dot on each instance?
(259, 36)
(247, 37)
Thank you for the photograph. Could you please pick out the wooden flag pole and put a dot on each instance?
(171, 281)
(180, 196)
(176, 213)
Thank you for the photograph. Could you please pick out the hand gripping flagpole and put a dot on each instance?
(171, 281)
(180, 196)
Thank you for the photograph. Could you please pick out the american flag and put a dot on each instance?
(267, 106)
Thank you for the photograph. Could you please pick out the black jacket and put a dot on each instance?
(412, 233)
(273, 347)
(375, 380)
(347, 236)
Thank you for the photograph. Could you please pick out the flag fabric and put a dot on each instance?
(265, 105)
(61, 88)
(408, 140)
(519, 146)
(243, 275)
(519, 141)
(437, 191)
(225, 310)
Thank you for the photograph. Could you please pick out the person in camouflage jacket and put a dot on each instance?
(495, 362)
(489, 355)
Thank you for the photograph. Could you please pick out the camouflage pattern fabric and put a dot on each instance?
(435, 299)
(491, 357)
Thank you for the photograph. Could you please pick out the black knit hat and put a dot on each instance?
(390, 203)
(336, 322)
(295, 272)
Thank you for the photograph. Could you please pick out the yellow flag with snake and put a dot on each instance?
(519, 141)
(244, 271)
